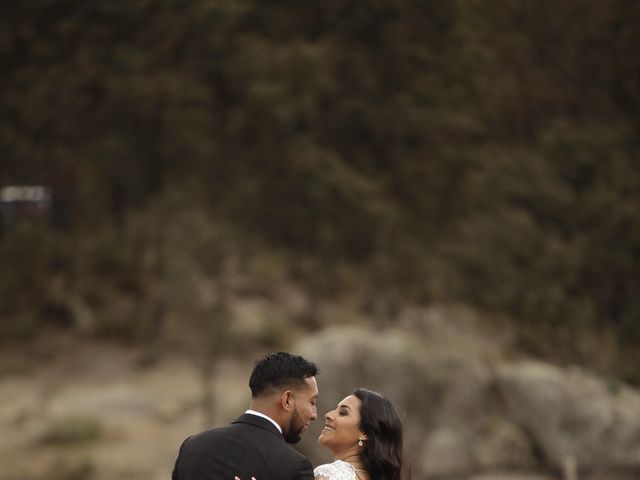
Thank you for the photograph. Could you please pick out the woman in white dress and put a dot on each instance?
(364, 432)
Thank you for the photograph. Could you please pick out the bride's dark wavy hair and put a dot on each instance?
(382, 451)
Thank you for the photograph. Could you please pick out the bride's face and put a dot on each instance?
(342, 426)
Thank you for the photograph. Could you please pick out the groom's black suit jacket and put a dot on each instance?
(250, 446)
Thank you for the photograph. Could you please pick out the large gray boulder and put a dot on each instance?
(453, 423)
(573, 415)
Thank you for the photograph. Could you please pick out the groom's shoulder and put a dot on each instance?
(209, 434)
(244, 425)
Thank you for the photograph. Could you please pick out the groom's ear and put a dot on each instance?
(286, 400)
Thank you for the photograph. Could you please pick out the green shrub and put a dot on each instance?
(73, 430)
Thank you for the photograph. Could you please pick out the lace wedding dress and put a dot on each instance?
(337, 470)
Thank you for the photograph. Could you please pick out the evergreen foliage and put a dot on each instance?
(476, 151)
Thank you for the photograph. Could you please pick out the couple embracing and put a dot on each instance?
(363, 432)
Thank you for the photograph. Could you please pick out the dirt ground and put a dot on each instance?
(73, 409)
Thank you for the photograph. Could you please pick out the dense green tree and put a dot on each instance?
(477, 151)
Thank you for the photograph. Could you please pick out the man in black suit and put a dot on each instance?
(283, 403)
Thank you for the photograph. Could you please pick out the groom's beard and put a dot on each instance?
(293, 434)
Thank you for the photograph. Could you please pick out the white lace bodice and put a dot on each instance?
(337, 470)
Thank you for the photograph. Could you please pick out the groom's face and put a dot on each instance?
(304, 411)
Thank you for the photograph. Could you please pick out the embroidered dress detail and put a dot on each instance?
(337, 470)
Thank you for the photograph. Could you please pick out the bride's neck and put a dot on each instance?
(349, 456)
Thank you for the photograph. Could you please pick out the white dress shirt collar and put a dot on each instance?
(259, 414)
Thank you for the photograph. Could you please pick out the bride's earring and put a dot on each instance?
(360, 442)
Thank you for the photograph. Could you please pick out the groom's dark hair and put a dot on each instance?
(278, 370)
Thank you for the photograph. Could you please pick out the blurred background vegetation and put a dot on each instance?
(384, 153)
